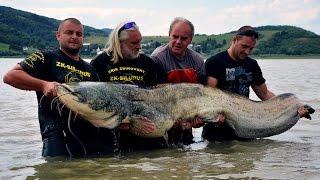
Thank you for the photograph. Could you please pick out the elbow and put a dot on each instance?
(7, 78)
(11, 76)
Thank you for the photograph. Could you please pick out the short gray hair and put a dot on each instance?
(182, 19)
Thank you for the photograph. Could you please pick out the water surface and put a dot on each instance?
(294, 154)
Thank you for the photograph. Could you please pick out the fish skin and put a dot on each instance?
(107, 105)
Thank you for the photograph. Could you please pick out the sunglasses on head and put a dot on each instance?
(127, 26)
(249, 33)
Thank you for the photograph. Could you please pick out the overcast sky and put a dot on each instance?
(154, 16)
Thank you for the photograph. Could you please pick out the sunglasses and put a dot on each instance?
(249, 33)
(127, 26)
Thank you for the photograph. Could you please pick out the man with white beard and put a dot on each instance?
(122, 62)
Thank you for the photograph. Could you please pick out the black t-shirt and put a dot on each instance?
(56, 66)
(234, 76)
(141, 71)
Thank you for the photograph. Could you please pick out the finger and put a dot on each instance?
(147, 130)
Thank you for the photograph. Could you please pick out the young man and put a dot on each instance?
(122, 62)
(41, 72)
(233, 70)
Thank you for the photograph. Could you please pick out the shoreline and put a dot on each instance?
(287, 57)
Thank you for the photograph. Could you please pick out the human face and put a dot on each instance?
(241, 48)
(131, 46)
(179, 39)
(70, 37)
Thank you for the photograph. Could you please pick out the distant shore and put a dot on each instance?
(286, 57)
(279, 56)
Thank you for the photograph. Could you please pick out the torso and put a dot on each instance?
(58, 67)
(188, 69)
(234, 76)
(141, 71)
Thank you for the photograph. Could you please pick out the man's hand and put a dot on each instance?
(197, 122)
(305, 111)
(124, 127)
(220, 118)
(50, 89)
(140, 126)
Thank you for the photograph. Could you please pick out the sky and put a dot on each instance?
(154, 16)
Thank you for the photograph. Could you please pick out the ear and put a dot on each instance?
(234, 39)
(58, 35)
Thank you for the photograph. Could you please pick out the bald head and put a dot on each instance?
(73, 20)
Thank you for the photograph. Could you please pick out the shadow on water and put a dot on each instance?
(230, 159)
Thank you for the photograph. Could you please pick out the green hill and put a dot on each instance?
(20, 29)
(274, 41)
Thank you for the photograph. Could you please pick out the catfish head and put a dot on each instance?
(92, 101)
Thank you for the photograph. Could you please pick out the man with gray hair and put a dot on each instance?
(122, 62)
(181, 64)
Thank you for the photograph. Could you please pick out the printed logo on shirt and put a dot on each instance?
(72, 69)
(127, 79)
(238, 80)
(126, 69)
(230, 74)
(128, 75)
(71, 77)
(31, 59)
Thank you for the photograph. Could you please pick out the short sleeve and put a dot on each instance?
(34, 64)
(99, 64)
(258, 78)
(202, 77)
(212, 67)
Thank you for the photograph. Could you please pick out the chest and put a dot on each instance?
(64, 71)
(123, 69)
(174, 64)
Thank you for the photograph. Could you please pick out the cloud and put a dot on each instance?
(207, 16)
(258, 13)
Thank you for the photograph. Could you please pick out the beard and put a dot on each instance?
(72, 51)
(129, 54)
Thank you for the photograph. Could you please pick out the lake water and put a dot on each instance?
(294, 154)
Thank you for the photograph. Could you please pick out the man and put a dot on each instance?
(122, 62)
(234, 71)
(41, 72)
(181, 64)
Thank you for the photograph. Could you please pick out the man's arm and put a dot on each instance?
(212, 82)
(18, 78)
(262, 92)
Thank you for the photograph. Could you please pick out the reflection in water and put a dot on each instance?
(294, 154)
(231, 159)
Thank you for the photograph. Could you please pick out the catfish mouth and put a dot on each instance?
(310, 111)
(65, 89)
(75, 98)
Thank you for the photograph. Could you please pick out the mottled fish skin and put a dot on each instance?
(107, 105)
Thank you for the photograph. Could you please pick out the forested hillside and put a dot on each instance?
(20, 29)
(273, 41)
(23, 32)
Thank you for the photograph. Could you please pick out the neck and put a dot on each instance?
(231, 54)
(75, 57)
(179, 56)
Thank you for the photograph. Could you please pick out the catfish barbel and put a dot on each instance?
(107, 105)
